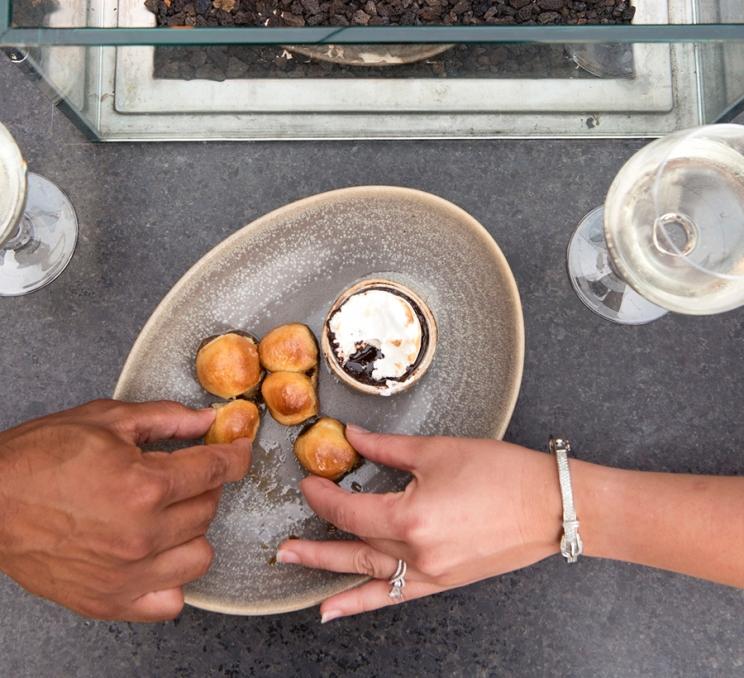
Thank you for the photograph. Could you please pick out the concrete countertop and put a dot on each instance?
(667, 396)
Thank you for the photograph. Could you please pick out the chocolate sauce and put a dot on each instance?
(360, 364)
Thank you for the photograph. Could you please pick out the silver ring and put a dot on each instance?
(398, 581)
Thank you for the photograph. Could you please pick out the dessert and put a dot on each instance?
(379, 337)
(290, 397)
(228, 365)
(289, 348)
(236, 419)
(323, 450)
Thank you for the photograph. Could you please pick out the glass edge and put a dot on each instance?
(11, 36)
(6, 10)
(732, 112)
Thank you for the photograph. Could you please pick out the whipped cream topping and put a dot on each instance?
(383, 320)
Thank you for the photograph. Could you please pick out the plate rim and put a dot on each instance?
(300, 603)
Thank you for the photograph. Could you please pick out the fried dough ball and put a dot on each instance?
(289, 348)
(236, 419)
(323, 450)
(290, 397)
(228, 365)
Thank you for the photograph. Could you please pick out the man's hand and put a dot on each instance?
(90, 521)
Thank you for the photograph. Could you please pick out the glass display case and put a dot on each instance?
(269, 69)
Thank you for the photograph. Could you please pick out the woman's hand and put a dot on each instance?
(90, 521)
(473, 509)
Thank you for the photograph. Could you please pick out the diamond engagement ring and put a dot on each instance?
(398, 581)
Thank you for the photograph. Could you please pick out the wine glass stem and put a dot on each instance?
(22, 235)
(596, 280)
(42, 241)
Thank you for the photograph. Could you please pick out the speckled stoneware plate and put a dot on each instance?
(289, 266)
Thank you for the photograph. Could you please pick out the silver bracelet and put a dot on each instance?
(571, 544)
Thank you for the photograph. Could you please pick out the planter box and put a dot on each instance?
(116, 92)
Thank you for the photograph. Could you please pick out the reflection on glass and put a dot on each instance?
(604, 60)
(230, 62)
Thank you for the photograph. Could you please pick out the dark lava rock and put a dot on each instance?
(464, 60)
(297, 13)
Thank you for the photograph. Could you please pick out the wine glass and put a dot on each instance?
(38, 225)
(670, 236)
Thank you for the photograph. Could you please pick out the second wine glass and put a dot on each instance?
(670, 236)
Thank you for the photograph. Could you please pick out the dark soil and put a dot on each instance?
(297, 13)
(464, 60)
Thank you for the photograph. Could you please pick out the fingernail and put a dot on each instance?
(356, 429)
(330, 615)
(287, 557)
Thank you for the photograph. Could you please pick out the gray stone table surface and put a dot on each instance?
(666, 396)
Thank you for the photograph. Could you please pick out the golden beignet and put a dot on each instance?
(290, 397)
(323, 450)
(228, 365)
(289, 348)
(236, 419)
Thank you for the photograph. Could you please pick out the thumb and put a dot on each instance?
(156, 606)
(149, 422)
(391, 450)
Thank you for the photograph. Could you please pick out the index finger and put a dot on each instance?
(363, 514)
(399, 451)
(195, 470)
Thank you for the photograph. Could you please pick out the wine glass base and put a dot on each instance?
(595, 281)
(53, 229)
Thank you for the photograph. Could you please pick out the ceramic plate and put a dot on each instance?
(289, 266)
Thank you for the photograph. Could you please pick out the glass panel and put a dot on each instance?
(722, 64)
(678, 64)
(376, 21)
(131, 93)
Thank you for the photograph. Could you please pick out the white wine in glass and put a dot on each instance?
(38, 225)
(670, 236)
